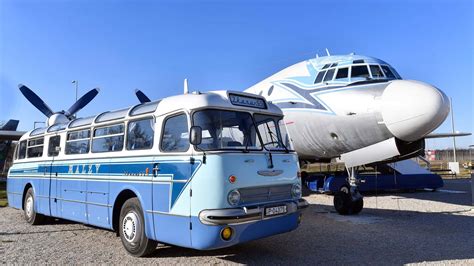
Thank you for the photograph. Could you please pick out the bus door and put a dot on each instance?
(171, 173)
(52, 171)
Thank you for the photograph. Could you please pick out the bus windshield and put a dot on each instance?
(233, 130)
(226, 130)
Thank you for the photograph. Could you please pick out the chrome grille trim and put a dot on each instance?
(251, 195)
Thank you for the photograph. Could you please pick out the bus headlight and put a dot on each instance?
(234, 197)
(296, 190)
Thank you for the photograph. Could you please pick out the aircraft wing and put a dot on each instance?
(447, 135)
(11, 135)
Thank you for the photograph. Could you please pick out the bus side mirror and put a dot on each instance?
(195, 135)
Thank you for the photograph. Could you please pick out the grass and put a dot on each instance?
(3, 194)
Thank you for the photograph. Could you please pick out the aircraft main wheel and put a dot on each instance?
(31, 216)
(356, 206)
(342, 202)
(345, 188)
(132, 229)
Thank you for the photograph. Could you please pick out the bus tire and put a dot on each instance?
(31, 216)
(132, 229)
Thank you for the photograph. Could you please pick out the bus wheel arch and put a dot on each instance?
(25, 190)
(122, 197)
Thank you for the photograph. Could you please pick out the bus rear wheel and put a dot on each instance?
(132, 229)
(31, 216)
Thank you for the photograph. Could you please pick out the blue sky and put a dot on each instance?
(153, 45)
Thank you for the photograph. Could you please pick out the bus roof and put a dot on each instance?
(214, 99)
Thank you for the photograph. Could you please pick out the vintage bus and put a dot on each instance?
(200, 170)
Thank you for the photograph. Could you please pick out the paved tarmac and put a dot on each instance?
(394, 228)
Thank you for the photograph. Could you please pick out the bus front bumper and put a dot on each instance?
(248, 214)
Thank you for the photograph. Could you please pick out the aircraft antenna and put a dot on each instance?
(186, 90)
(327, 51)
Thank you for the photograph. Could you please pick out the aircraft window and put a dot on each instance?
(109, 116)
(342, 73)
(388, 72)
(175, 137)
(144, 108)
(326, 66)
(329, 74)
(108, 138)
(376, 71)
(53, 148)
(37, 131)
(333, 64)
(81, 122)
(78, 142)
(359, 72)
(358, 61)
(35, 148)
(395, 73)
(320, 76)
(57, 127)
(140, 134)
(22, 150)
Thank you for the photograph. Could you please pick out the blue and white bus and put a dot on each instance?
(200, 170)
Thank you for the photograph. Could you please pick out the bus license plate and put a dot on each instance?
(271, 211)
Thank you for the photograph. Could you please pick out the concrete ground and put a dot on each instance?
(394, 228)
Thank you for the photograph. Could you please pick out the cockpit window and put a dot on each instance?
(360, 72)
(333, 64)
(388, 73)
(395, 73)
(342, 73)
(329, 74)
(376, 71)
(320, 76)
(326, 66)
(358, 61)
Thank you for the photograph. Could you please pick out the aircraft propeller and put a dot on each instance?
(141, 96)
(58, 116)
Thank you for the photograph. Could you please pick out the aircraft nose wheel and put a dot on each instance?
(347, 204)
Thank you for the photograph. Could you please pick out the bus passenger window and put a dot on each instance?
(108, 138)
(77, 142)
(35, 148)
(22, 150)
(388, 72)
(376, 71)
(342, 73)
(175, 134)
(329, 75)
(320, 76)
(359, 72)
(53, 148)
(140, 134)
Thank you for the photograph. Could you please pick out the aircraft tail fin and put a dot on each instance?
(11, 125)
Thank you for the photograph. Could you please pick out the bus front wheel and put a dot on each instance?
(132, 229)
(31, 216)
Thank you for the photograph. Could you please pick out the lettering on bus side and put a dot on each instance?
(83, 169)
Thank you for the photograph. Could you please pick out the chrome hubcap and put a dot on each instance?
(29, 206)
(130, 226)
(345, 190)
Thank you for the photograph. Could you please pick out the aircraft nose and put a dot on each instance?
(413, 109)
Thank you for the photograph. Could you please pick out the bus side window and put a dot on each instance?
(175, 134)
(53, 147)
(22, 150)
(108, 138)
(140, 134)
(35, 148)
(77, 142)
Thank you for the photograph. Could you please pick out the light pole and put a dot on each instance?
(76, 82)
(452, 124)
(77, 86)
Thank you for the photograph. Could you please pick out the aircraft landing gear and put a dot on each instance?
(347, 202)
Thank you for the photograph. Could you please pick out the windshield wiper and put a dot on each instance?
(279, 141)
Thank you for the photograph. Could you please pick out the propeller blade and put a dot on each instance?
(35, 100)
(141, 96)
(83, 101)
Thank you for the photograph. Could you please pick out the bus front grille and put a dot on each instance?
(262, 194)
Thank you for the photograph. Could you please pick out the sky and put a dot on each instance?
(119, 46)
